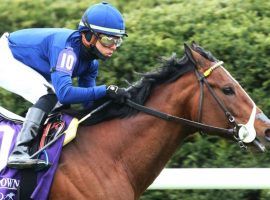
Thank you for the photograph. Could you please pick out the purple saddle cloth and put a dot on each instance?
(10, 179)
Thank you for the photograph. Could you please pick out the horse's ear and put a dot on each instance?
(188, 52)
(194, 45)
(194, 56)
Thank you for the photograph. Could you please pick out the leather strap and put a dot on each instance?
(168, 117)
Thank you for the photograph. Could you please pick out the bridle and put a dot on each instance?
(199, 125)
(203, 81)
(237, 128)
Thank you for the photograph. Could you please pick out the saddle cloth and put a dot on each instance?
(10, 179)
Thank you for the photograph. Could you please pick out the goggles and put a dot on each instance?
(109, 41)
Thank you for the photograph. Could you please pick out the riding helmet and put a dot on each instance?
(103, 18)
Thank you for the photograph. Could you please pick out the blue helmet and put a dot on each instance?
(103, 18)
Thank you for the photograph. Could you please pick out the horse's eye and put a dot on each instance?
(228, 91)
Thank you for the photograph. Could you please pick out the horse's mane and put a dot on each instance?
(170, 70)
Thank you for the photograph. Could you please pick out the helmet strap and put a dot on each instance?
(89, 42)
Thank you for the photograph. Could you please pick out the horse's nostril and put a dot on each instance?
(267, 134)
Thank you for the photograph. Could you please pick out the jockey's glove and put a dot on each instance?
(119, 95)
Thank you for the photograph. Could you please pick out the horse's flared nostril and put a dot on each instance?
(267, 134)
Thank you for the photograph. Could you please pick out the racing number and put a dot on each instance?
(67, 61)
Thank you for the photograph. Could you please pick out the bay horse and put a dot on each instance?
(118, 154)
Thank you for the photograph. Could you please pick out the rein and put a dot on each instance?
(202, 127)
(184, 121)
(198, 125)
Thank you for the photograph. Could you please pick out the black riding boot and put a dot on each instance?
(20, 157)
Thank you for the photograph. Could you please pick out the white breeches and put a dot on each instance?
(18, 78)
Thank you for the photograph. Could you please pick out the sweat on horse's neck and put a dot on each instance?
(120, 158)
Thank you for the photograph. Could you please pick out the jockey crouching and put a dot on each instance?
(44, 60)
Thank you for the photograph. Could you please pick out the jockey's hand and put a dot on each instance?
(119, 95)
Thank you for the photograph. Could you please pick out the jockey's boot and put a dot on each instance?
(20, 158)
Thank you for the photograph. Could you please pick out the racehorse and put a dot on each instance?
(119, 154)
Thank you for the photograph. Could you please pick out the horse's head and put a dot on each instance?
(220, 100)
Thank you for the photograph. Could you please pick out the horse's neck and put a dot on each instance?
(152, 145)
(152, 141)
(133, 149)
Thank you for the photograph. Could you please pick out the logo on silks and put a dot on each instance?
(8, 188)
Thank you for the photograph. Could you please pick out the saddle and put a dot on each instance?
(59, 129)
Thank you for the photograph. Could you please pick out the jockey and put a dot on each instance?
(43, 61)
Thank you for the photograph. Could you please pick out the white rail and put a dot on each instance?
(213, 178)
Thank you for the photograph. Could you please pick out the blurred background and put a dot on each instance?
(235, 31)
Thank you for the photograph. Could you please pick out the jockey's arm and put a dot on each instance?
(88, 80)
(69, 94)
